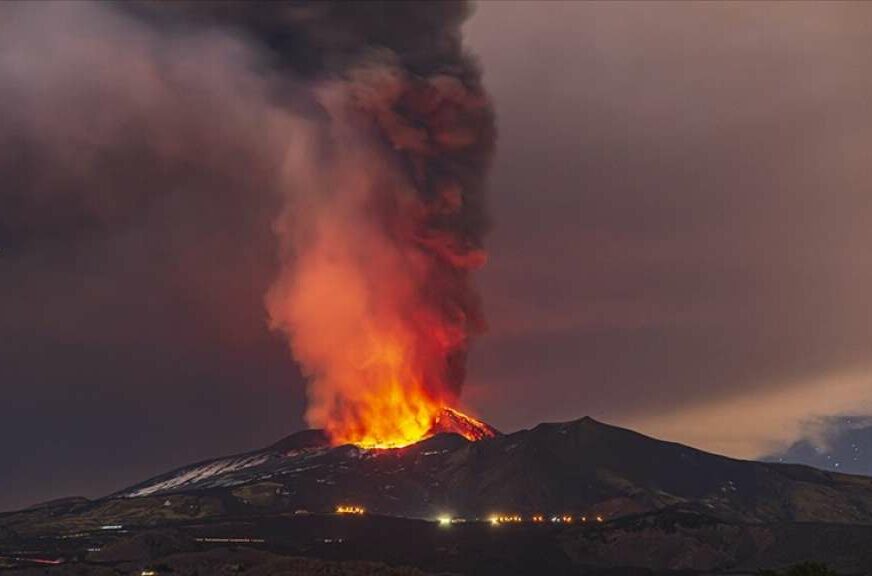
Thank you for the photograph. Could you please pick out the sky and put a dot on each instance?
(839, 444)
(679, 207)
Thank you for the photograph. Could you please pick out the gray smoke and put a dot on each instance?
(151, 126)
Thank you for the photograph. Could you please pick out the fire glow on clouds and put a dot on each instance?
(380, 237)
(369, 124)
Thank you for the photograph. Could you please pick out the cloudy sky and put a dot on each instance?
(680, 207)
(681, 202)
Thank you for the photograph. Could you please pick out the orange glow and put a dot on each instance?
(392, 409)
(379, 236)
(355, 510)
(383, 366)
(501, 519)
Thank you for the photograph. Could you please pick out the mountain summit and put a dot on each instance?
(583, 466)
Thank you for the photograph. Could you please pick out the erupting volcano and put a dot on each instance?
(382, 227)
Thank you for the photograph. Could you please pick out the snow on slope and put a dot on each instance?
(198, 474)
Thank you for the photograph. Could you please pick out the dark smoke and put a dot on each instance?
(186, 127)
(83, 150)
(314, 38)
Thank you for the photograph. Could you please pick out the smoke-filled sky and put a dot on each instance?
(678, 198)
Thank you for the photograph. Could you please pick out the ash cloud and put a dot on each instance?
(176, 91)
(146, 151)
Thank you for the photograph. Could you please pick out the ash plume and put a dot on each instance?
(364, 126)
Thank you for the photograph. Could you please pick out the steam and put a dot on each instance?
(359, 131)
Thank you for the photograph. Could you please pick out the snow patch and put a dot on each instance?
(200, 473)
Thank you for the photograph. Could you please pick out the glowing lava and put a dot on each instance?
(382, 230)
(446, 420)
(395, 409)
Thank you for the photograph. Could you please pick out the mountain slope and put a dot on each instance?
(580, 467)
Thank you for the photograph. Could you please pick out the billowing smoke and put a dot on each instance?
(362, 127)
(380, 239)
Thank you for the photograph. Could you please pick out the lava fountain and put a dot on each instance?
(381, 230)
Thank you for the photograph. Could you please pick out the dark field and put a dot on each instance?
(665, 543)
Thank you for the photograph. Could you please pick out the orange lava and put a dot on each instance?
(396, 414)
(392, 407)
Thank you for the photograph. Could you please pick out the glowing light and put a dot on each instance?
(510, 519)
(394, 406)
(355, 510)
(445, 520)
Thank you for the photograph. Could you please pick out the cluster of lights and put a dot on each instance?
(446, 520)
(541, 519)
(562, 519)
(358, 510)
(570, 519)
(497, 519)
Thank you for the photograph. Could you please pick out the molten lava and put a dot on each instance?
(456, 422)
(394, 408)
(446, 421)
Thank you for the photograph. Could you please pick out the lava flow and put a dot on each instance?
(447, 420)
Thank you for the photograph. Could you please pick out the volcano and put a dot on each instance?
(640, 493)
(578, 467)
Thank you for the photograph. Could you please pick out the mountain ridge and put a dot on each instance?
(582, 465)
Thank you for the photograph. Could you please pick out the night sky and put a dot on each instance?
(680, 206)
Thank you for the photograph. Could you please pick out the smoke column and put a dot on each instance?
(384, 211)
(382, 226)
(364, 125)
(380, 239)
